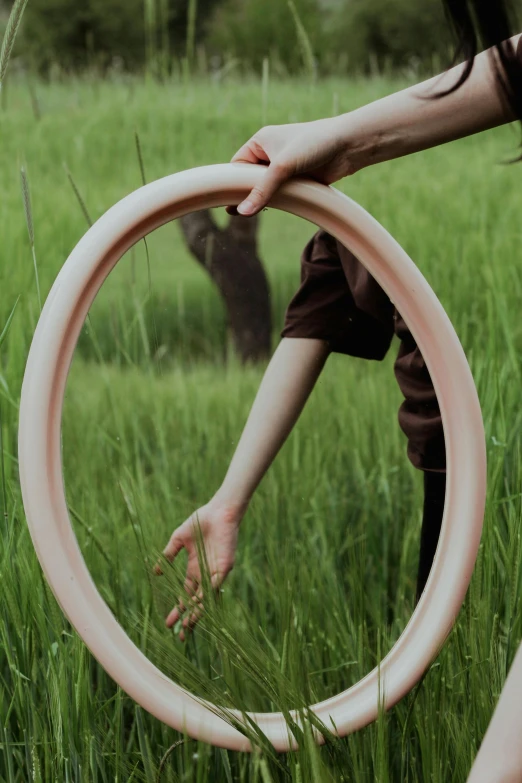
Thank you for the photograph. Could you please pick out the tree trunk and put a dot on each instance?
(230, 258)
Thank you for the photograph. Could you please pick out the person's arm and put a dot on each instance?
(408, 122)
(499, 759)
(400, 124)
(286, 385)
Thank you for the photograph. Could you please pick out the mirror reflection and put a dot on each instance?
(251, 515)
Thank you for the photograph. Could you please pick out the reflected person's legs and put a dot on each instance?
(434, 492)
(420, 420)
(339, 301)
(419, 415)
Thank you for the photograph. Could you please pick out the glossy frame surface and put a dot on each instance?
(43, 389)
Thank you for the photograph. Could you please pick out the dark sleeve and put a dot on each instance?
(324, 307)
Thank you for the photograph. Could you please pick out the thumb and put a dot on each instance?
(258, 198)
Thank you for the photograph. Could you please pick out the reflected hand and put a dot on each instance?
(218, 532)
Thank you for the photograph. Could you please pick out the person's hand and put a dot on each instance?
(317, 149)
(218, 525)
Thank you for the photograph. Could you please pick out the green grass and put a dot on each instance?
(325, 577)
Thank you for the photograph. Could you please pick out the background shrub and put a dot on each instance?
(344, 35)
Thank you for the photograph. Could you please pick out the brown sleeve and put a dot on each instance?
(324, 307)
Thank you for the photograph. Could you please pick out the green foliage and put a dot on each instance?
(95, 32)
(327, 36)
(76, 35)
(345, 36)
(325, 574)
(387, 32)
(252, 30)
(9, 35)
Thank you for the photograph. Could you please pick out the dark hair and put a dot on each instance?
(485, 24)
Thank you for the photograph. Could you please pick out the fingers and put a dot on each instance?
(275, 175)
(174, 546)
(190, 589)
(190, 622)
(251, 152)
(195, 608)
(173, 616)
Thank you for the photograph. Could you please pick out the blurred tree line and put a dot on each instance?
(339, 36)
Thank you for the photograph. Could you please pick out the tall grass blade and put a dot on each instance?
(27, 205)
(192, 11)
(35, 103)
(7, 326)
(147, 254)
(13, 24)
(2, 466)
(151, 28)
(26, 195)
(264, 89)
(144, 747)
(304, 43)
(226, 765)
(164, 36)
(78, 195)
(140, 157)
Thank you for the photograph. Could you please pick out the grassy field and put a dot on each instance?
(325, 578)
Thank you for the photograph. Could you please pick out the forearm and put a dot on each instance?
(407, 122)
(286, 385)
(499, 759)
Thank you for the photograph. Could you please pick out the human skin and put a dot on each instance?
(286, 385)
(328, 150)
(499, 759)
(399, 124)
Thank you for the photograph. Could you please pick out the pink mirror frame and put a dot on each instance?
(43, 390)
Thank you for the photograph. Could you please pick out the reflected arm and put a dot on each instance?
(286, 385)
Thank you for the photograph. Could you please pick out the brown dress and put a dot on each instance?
(340, 302)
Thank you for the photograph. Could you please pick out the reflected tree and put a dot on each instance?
(230, 257)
